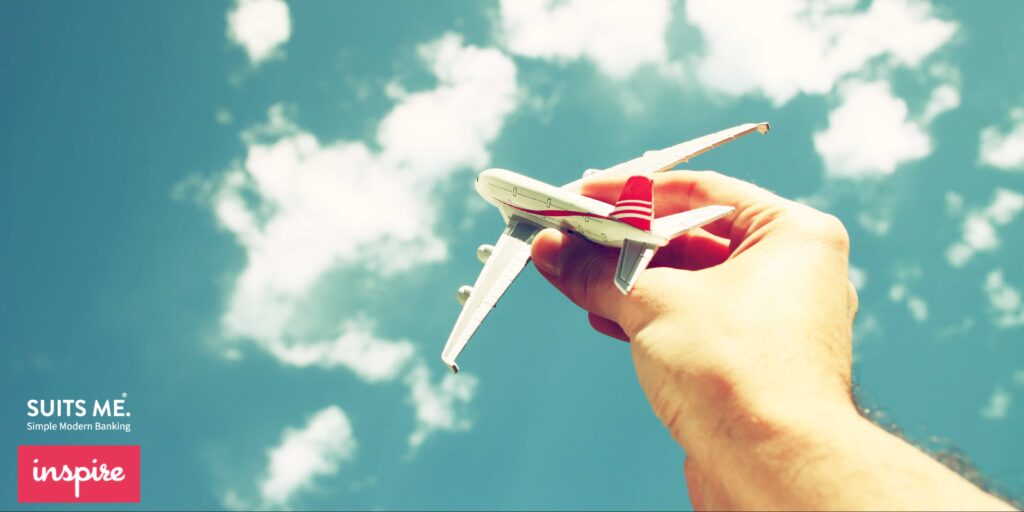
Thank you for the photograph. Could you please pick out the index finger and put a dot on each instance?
(679, 191)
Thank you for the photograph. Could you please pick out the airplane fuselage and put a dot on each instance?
(536, 202)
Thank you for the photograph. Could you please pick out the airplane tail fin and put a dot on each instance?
(635, 206)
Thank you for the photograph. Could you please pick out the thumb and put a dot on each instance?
(581, 270)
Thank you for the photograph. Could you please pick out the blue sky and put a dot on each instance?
(252, 218)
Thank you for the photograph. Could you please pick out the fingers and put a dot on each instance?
(679, 191)
(607, 327)
(694, 250)
(583, 271)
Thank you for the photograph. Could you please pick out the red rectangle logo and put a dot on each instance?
(86, 474)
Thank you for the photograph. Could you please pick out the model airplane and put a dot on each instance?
(529, 206)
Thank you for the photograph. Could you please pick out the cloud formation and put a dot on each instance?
(998, 405)
(260, 27)
(916, 305)
(1004, 300)
(901, 291)
(782, 49)
(618, 37)
(979, 233)
(432, 133)
(438, 406)
(1001, 149)
(303, 209)
(869, 133)
(317, 449)
(370, 357)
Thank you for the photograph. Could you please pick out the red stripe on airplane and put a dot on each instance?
(555, 213)
(631, 209)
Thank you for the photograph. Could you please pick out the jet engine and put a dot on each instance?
(462, 295)
(484, 252)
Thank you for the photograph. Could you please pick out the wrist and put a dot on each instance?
(726, 414)
(763, 456)
(752, 429)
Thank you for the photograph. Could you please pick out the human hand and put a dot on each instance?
(741, 338)
(732, 327)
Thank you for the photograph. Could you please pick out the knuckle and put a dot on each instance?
(852, 301)
(835, 232)
(823, 227)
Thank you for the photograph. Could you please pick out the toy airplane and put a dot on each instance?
(529, 206)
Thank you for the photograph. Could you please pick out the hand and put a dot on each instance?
(752, 315)
(741, 338)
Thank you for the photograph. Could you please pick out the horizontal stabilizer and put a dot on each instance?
(679, 223)
(633, 259)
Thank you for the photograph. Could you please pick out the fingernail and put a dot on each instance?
(546, 252)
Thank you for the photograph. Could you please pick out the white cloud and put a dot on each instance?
(876, 220)
(901, 291)
(372, 358)
(944, 98)
(1005, 206)
(998, 405)
(1004, 300)
(1004, 149)
(303, 209)
(279, 123)
(954, 203)
(866, 326)
(223, 116)
(617, 36)
(317, 449)
(858, 277)
(784, 48)
(979, 227)
(869, 134)
(432, 133)
(438, 406)
(917, 306)
(260, 27)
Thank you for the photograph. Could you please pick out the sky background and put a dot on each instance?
(252, 218)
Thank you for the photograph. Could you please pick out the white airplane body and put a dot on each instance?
(529, 205)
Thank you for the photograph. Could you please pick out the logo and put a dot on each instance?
(69, 414)
(86, 474)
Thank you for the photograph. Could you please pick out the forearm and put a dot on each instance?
(835, 460)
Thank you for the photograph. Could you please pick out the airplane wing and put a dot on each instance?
(666, 159)
(510, 255)
(673, 225)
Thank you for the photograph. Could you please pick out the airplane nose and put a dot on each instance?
(486, 180)
(487, 176)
